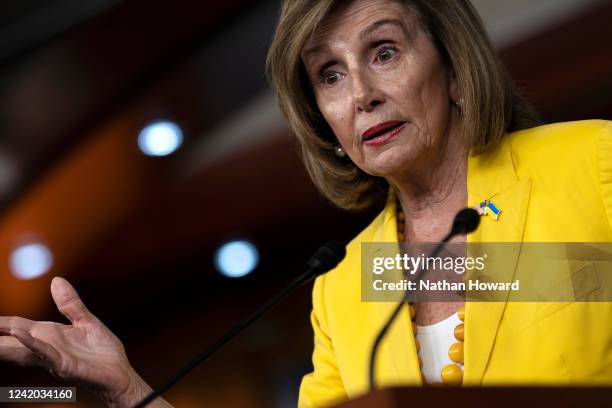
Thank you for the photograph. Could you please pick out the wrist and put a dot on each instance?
(136, 391)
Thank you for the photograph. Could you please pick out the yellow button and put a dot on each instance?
(459, 332)
(461, 313)
(420, 362)
(414, 328)
(418, 345)
(412, 311)
(401, 216)
(451, 374)
(455, 352)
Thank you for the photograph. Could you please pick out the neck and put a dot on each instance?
(432, 194)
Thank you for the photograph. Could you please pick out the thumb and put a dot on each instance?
(69, 303)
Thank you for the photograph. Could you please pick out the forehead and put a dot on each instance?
(352, 20)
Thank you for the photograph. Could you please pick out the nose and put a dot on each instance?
(366, 94)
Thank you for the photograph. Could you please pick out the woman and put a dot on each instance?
(404, 103)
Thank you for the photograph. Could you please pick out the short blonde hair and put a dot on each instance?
(490, 107)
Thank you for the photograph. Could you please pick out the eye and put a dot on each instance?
(329, 77)
(385, 53)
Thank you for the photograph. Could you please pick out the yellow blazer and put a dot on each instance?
(554, 184)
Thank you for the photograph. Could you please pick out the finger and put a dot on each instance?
(12, 351)
(46, 353)
(10, 342)
(69, 303)
(14, 322)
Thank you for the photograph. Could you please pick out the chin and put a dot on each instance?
(389, 162)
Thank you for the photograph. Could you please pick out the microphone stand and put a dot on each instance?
(325, 258)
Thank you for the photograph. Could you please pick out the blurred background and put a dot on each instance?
(142, 157)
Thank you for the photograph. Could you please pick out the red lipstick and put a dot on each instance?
(382, 133)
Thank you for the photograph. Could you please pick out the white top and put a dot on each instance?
(435, 341)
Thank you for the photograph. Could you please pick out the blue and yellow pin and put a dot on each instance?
(489, 208)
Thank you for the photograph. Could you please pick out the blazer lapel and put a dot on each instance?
(492, 177)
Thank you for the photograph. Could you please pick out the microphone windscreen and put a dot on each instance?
(327, 257)
(466, 221)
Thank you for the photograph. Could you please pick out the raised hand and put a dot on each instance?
(84, 352)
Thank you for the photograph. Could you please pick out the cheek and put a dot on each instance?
(425, 95)
(437, 92)
(337, 118)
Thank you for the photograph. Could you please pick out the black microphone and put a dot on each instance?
(324, 259)
(465, 221)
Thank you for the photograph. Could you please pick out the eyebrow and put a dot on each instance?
(363, 34)
(374, 26)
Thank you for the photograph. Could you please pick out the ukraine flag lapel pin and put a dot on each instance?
(493, 210)
(487, 207)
